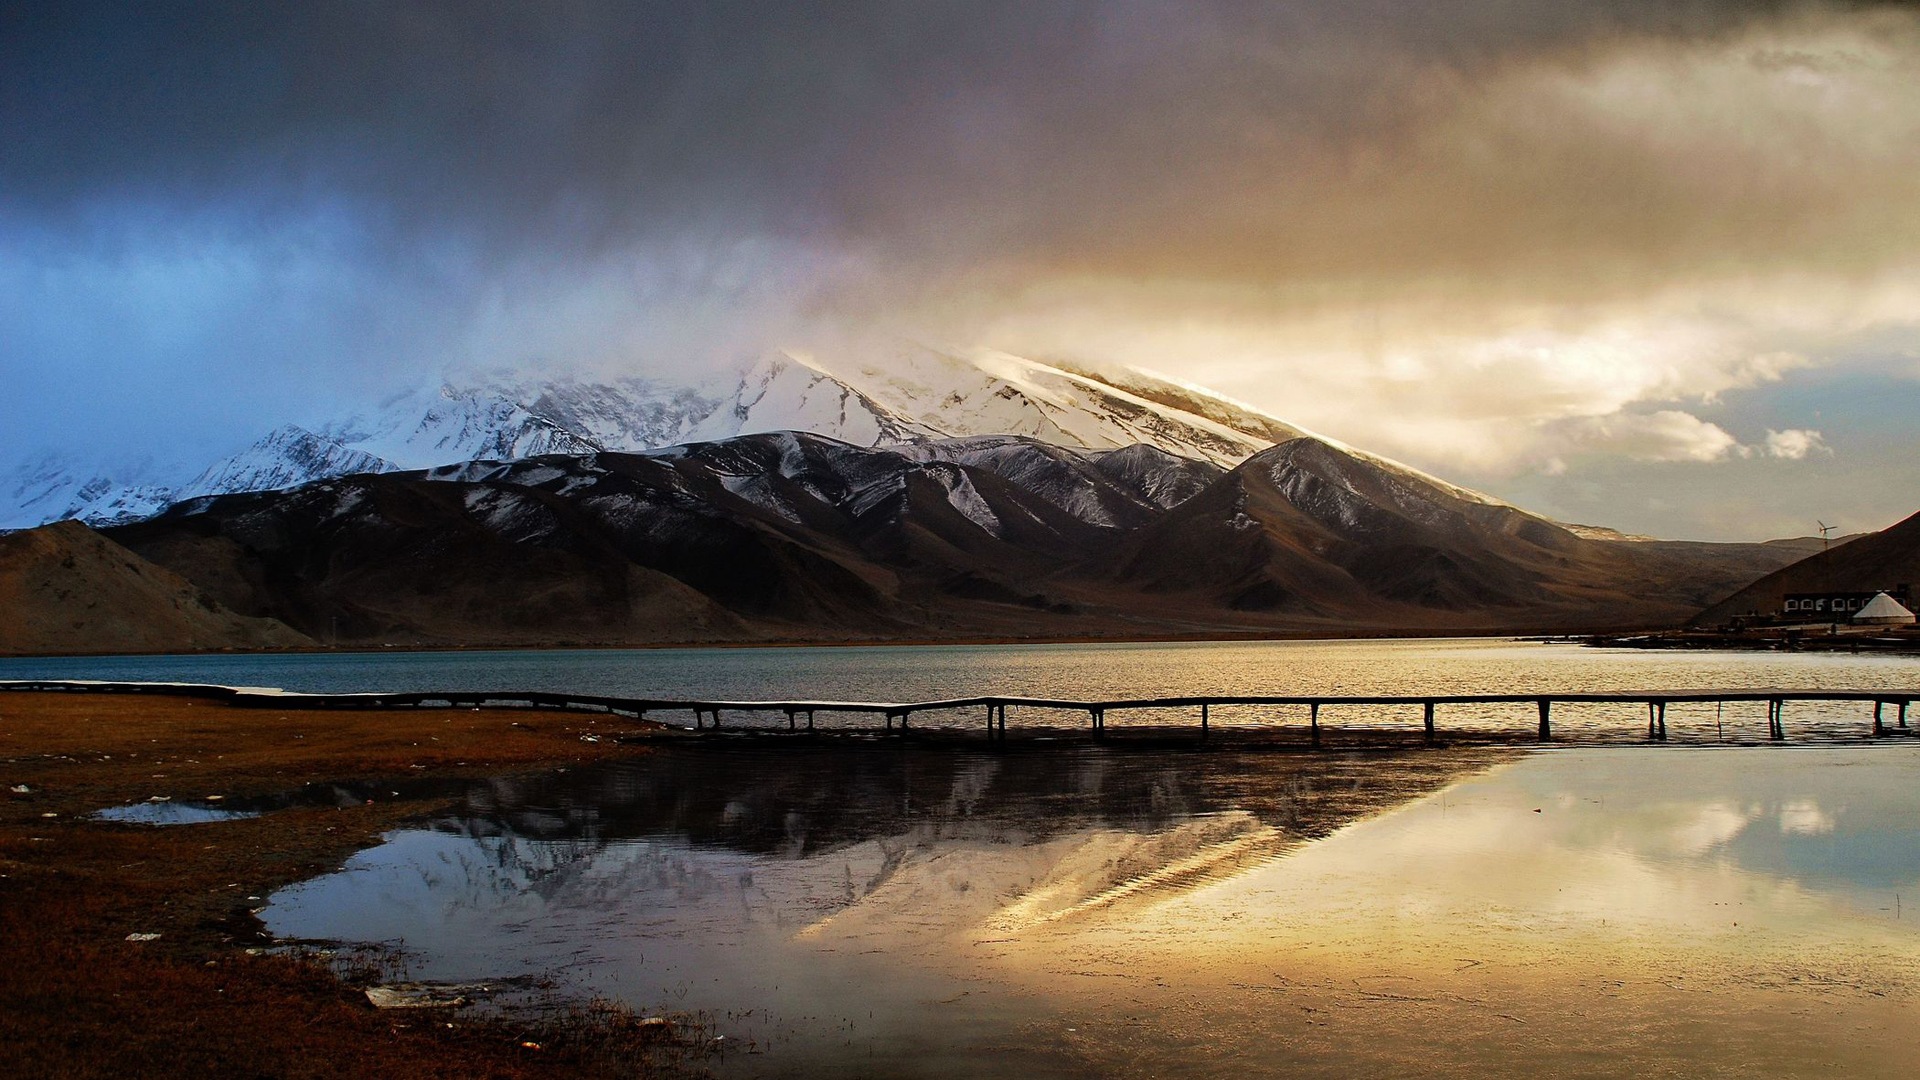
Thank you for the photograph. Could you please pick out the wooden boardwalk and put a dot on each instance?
(1888, 715)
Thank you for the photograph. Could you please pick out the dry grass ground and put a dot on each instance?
(78, 999)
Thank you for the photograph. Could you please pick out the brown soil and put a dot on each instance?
(78, 999)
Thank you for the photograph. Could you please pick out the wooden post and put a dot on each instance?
(1776, 719)
(1546, 719)
(1203, 720)
(989, 723)
(1662, 736)
(790, 716)
(809, 719)
(1650, 735)
(1099, 721)
(1429, 720)
(1903, 713)
(1879, 729)
(1003, 722)
(1313, 721)
(716, 719)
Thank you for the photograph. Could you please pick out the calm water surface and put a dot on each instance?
(1092, 912)
(878, 909)
(919, 673)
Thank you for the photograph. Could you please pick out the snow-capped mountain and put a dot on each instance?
(914, 395)
(287, 457)
(51, 487)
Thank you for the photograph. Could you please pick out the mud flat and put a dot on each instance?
(88, 993)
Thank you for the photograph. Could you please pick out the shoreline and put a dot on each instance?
(1542, 634)
(88, 994)
(83, 998)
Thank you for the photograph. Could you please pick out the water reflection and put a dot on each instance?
(1098, 912)
(165, 812)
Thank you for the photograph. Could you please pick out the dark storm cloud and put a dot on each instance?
(1481, 234)
(591, 124)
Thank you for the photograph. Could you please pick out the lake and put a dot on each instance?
(918, 673)
(947, 909)
(1090, 911)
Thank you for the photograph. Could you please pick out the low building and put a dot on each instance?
(1837, 604)
(1883, 610)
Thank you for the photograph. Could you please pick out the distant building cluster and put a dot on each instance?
(1883, 606)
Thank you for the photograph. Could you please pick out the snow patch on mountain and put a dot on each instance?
(287, 457)
(910, 397)
(54, 487)
(423, 429)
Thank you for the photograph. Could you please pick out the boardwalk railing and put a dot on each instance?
(707, 715)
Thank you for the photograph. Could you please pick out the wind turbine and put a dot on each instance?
(1826, 575)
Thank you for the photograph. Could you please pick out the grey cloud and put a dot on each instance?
(589, 123)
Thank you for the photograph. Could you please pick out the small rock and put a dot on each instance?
(22, 789)
(143, 937)
(415, 996)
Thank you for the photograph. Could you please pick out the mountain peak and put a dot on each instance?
(908, 394)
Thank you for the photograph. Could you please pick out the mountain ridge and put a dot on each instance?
(790, 536)
(915, 395)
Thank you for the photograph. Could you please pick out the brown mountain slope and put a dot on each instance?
(66, 589)
(787, 536)
(1881, 560)
(1308, 531)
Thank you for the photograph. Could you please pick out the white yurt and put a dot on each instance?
(1883, 610)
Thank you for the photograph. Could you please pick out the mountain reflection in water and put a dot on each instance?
(1085, 911)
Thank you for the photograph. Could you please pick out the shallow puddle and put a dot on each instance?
(166, 812)
(850, 911)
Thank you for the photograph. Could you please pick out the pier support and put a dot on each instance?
(1879, 729)
(1657, 721)
(1313, 721)
(791, 713)
(809, 719)
(1776, 721)
(1099, 721)
(1546, 719)
(1429, 721)
(1203, 720)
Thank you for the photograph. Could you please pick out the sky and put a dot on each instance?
(1650, 264)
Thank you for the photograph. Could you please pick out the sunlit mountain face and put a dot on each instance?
(912, 395)
(1613, 261)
